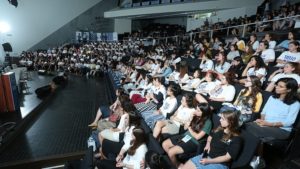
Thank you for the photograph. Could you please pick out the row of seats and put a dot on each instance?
(250, 142)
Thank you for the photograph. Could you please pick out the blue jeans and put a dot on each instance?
(196, 162)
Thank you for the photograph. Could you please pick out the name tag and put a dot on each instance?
(186, 138)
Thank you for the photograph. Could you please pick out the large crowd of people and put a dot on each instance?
(201, 93)
(179, 100)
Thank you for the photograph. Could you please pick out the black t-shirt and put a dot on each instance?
(160, 98)
(219, 147)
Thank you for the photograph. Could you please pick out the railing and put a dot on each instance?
(192, 35)
(242, 27)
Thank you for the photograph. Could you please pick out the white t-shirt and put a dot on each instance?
(137, 158)
(283, 75)
(184, 114)
(255, 45)
(206, 87)
(183, 79)
(208, 65)
(168, 106)
(288, 56)
(268, 54)
(222, 68)
(161, 90)
(260, 71)
(272, 44)
(232, 54)
(193, 83)
(127, 137)
(225, 91)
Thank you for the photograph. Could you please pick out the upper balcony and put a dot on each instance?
(140, 11)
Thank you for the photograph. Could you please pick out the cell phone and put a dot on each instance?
(205, 154)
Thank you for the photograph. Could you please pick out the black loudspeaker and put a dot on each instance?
(7, 47)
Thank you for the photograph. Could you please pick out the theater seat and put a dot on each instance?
(154, 145)
(284, 146)
(250, 144)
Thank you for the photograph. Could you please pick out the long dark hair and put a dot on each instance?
(256, 88)
(140, 138)
(183, 70)
(223, 60)
(198, 122)
(259, 62)
(230, 77)
(190, 101)
(233, 125)
(134, 119)
(292, 85)
(128, 106)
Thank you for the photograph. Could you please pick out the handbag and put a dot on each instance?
(113, 117)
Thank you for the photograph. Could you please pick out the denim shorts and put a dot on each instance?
(196, 162)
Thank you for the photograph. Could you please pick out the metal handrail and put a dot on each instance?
(211, 31)
(227, 28)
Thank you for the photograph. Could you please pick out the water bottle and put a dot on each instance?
(91, 143)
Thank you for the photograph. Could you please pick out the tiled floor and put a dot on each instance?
(62, 127)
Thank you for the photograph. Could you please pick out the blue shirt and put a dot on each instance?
(285, 44)
(276, 110)
(167, 72)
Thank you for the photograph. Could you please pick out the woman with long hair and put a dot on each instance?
(113, 134)
(182, 116)
(169, 105)
(289, 70)
(208, 83)
(255, 67)
(139, 95)
(234, 52)
(279, 113)
(222, 93)
(247, 54)
(249, 100)
(222, 146)
(221, 65)
(237, 67)
(253, 42)
(135, 153)
(123, 143)
(285, 44)
(206, 63)
(197, 131)
(154, 98)
(114, 108)
(193, 82)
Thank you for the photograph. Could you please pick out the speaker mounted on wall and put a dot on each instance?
(7, 47)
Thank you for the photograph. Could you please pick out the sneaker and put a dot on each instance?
(257, 163)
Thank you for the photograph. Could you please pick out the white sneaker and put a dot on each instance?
(257, 163)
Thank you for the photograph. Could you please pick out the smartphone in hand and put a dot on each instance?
(205, 154)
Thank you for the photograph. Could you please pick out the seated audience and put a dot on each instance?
(279, 113)
(222, 93)
(255, 67)
(182, 116)
(290, 70)
(292, 55)
(197, 131)
(237, 67)
(135, 154)
(206, 63)
(193, 82)
(208, 83)
(169, 105)
(223, 145)
(221, 65)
